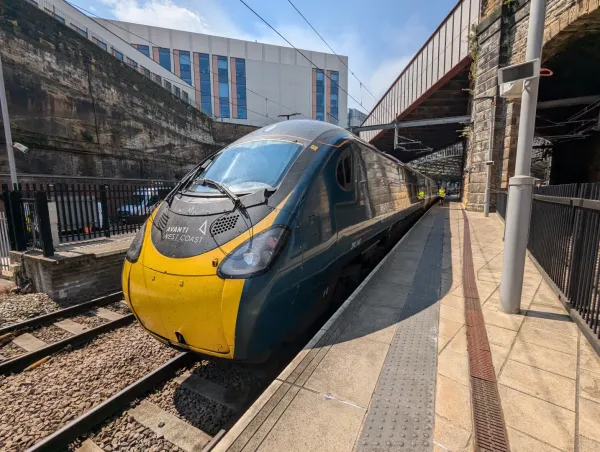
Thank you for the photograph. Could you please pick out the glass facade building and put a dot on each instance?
(205, 88)
(185, 66)
(320, 97)
(223, 72)
(142, 48)
(333, 97)
(240, 80)
(163, 57)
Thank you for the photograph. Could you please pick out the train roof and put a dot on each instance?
(304, 128)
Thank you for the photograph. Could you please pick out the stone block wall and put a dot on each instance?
(502, 41)
(74, 278)
(82, 112)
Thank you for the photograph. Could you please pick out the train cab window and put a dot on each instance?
(344, 173)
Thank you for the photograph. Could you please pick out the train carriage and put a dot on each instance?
(246, 251)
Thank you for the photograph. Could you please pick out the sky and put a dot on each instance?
(379, 37)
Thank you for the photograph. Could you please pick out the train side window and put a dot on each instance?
(344, 173)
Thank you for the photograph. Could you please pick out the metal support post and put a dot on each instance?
(45, 227)
(396, 136)
(104, 213)
(490, 160)
(520, 188)
(7, 134)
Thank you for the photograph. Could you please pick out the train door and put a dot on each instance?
(349, 206)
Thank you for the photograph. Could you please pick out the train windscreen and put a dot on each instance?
(249, 166)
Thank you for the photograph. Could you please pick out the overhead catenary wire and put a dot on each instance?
(182, 83)
(300, 52)
(334, 52)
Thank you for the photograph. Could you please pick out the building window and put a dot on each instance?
(131, 63)
(162, 56)
(320, 98)
(118, 55)
(185, 67)
(81, 31)
(143, 49)
(334, 95)
(157, 78)
(168, 86)
(145, 71)
(240, 81)
(177, 91)
(186, 97)
(205, 88)
(100, 44)
(60, 19)
(223, 87)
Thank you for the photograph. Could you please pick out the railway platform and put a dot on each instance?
(419, 358)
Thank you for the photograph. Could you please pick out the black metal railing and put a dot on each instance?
(564, 238)
(585, 190)
(40, 214)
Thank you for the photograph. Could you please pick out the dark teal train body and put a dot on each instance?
(337, 201)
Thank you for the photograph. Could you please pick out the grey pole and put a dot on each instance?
(7, 133)
(520, 187)
(490, 161)
(395, 136)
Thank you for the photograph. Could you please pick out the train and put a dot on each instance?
(246, 251)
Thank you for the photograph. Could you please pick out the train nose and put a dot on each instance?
(197, 312)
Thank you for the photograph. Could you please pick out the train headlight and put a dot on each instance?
(256, 255)
(133, 253)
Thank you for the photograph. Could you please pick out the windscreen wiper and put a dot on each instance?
(223, 189)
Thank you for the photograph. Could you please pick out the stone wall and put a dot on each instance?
(72, 278)
(83, 112)
(502, 41)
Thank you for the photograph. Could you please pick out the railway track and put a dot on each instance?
(183, 405)
(34, 340)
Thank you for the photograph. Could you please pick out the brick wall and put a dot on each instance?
(82, 112)
(502, 41)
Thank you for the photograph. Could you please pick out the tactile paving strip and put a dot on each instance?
(488, 420)
(401, 414)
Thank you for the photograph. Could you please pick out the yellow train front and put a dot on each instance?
(246, 251)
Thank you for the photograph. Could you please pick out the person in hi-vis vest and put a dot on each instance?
(442, 194)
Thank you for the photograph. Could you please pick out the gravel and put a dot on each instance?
(16, 308)
(10, 350)
(38, 402)
(119, 307)
(51, 334)
(126, 434)
(89, 319)
(198, 411)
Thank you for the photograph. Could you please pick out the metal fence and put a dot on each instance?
(4, 243)
(40, 216)
(564, 238)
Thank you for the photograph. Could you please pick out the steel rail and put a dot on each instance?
(40, 320)
(22, 361)
(88, 420)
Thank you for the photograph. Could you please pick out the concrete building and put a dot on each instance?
(242, 81)
(355, 117)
